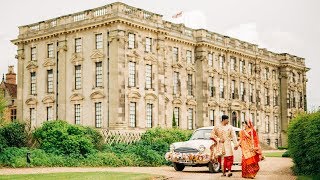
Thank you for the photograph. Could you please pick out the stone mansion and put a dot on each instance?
(120, 67)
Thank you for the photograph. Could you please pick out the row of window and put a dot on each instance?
(77, 76)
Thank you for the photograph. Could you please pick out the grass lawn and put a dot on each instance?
(80, 175)
(273, 154)
(308, 177)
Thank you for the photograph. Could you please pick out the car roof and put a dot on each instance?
(211, 127)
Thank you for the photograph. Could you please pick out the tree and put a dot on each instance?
(3, 104)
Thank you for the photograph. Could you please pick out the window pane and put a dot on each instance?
(149, 115)
(98, 74)
(50, 50)
(33, 83)
(131, 40)
(78, 77)
(98, 114)
(148, 76)
(78, 45)
(132, 74)
(50, 81)
(132, 114)
(190, 118)
(99, 41)
(77, 113)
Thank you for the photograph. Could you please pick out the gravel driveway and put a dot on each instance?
(271, 168)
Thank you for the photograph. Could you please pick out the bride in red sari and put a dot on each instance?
(251, 152)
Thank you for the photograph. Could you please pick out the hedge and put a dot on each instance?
(304, 143)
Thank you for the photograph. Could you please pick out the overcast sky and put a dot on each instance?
(290, 26)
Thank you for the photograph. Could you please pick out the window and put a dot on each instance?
(242, 90)
(50, 81)
(13, 114)
(266, 73)
(78, 77)
(221, 85)
(32, 115)
(267, 96)
(148, 44)
(132, 114)
(293, 77)
(132, 74)
(210, 60)
(211, 117)
(267, 124)
(190, 118)
(176, 83)
(176, 113)
(98, 114)
(149, 115)
(77, 114)
(211, 86)
(276, 143)
(221, 62)
(99, 41)
(190, 88)
(175, 54)
(300, 100)
(131, 41)
(148, 76)
(33, 87)
(275, 98)
(98, 74)
(276, 126)
(78, 45)
(268, 142)
(293, 99)
(250, 69)
(189, 57)
(252, 118)
(251, 93)
(241, 67)
(50, 50)
(274, 75)
(233, 64)
(243, 116)
(33, 53)
(233, 82)
(49, 113)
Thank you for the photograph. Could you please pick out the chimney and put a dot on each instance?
(11, 76)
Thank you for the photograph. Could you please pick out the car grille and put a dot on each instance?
(186, 150)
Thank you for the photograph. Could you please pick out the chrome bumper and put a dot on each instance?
(188, 158)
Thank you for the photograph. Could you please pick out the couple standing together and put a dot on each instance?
(222, 150)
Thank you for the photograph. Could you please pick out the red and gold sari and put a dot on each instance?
(251, 152)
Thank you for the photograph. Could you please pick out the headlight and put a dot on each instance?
(202, 148)
(171, 147)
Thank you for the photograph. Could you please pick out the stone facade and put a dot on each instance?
(120, 67)
(8, 87)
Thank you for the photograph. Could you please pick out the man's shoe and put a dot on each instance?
(230, 174)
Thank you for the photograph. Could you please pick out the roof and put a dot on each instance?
(11, 88)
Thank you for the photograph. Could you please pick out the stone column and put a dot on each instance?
(20, 82)
(61, 81)
(116, 79)
(283, 106)
(160, 81)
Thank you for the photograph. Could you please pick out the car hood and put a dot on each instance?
(193, 143)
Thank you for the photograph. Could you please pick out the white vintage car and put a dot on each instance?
(196, 152)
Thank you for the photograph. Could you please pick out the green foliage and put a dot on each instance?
(13, 135)
(286, 154)
(282, 148)
(61, 138)
(304, 146)
(150, 150)
(3, 103)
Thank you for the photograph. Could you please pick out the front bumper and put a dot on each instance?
(188, 158)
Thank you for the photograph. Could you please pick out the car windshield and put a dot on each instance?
(201, 134)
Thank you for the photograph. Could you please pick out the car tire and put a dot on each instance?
(214, 167)
(178, 167)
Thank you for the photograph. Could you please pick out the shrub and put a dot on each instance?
(304, 146)
(286, 154)
(13, 135)
(61, 138)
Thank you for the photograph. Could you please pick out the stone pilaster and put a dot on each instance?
(116, 80)
(20, 99)
(61, 81)
(200, 55)
(283, 106)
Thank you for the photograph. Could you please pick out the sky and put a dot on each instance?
(286, 26)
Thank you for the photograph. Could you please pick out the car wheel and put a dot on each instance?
(214, 167)
(178, 167)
